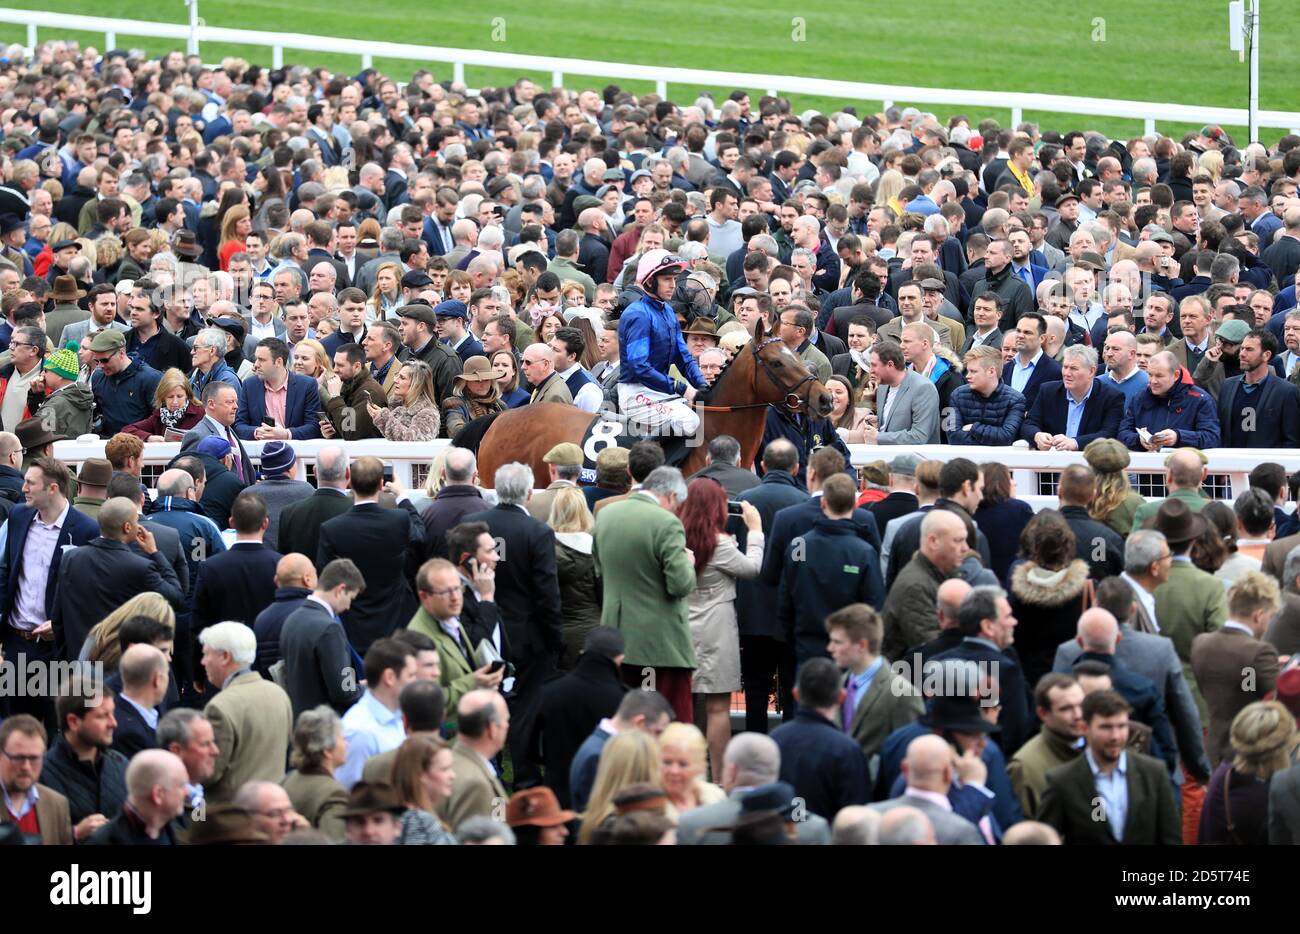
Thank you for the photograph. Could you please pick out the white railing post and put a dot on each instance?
(277, 56)
(1017, 117)
(110, 41)
(1149, 126)
(771, 92)
(885, 105)
(557, 79)
(458, 72)
(31, 37)
(661, 88)
(193, 44)
(367, 61)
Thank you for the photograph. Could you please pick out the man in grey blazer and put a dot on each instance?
(929, 771)
(103, 314)
(1153, 657)
(751, 761)
(222, 405)
(907, 404)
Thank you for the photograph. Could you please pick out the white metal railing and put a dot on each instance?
(1033, 471)
(1015, 101)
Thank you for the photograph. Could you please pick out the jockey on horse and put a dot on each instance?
(649, 342)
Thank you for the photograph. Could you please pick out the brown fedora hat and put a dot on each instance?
(372, 798)
(65, 289)
(186, 244)
(95, 471)
(705, 327)
(32, 433)
(536, 807)
(477, 367)
(1178, 523)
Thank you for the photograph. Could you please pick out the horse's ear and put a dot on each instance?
(760, 329)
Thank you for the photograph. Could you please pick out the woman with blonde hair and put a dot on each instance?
(235, 227)
(423, 776)
(1116, 502)
(387, 293)
(412, 412)
(683, 751)
(1235, 813)
(629, 758)
(176, 409)
(580, 591)
(310, 359)
(108, 253)
(1211, 163)
(434, 481)
(888, 186)
(319, 747)
(102, 644)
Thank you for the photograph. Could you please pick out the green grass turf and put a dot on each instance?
(1172, 51)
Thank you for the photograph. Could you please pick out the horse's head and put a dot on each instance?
(784, 368)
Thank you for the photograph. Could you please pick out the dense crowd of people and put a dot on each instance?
(242, 259)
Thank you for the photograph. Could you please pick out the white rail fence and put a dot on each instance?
(1034, 472)
(197, 32)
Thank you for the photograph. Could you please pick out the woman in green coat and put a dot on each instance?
(1116, 502)
(579, 585)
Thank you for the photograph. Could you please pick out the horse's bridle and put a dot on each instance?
(792, 400)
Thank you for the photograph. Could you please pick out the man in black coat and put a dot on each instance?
(317, 656)
(1047, 419)
(823, 763)
(960, 490)
(826, 568)
(101, 575)
(81, 766)
(528, 597)
(386, 546)
(457, 499)
(295, 578)
(723, 460)
(572, 706)
(300, 523)
(221, 484)
(158, 780)
(145, 678)
(902, 500)
(988, 629)
(1095, 542)
(764, 653)
(238, 584)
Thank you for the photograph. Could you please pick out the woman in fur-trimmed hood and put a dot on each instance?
(1049, 590)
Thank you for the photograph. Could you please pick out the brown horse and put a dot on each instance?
(763, 372)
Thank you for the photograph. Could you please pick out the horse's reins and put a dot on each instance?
(792, 400)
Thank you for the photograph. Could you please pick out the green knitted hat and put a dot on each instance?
(64, 362)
